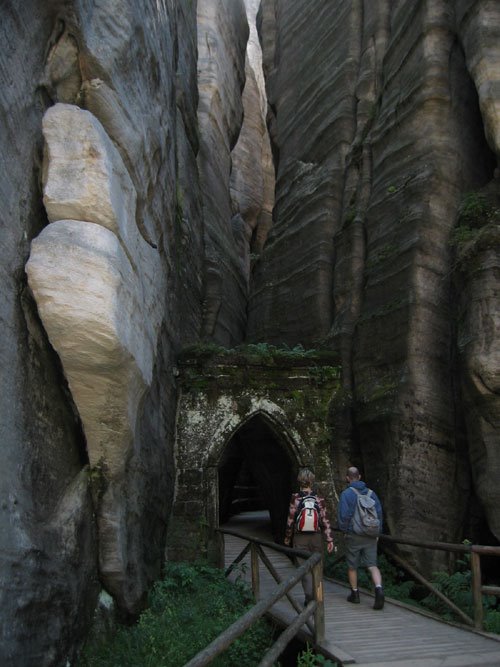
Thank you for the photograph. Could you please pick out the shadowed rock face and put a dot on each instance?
(252, 170)
(222, 37)
(119, 236)
(382, 116)
(476, 277)
(157, 201)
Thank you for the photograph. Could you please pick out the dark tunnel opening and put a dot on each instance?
(256, 472)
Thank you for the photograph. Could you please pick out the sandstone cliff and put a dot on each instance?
(383, 116)
(140, 214)
(109, 166)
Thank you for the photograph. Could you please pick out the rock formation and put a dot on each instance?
(98, 286)
(137, 252)
(476, 240)
(118, 275)
(221, 67)
(252, 169)
(398, 119)
(137, 192)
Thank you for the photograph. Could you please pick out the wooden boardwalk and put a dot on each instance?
(395, 636)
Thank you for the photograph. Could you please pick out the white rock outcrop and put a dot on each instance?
(96, 281)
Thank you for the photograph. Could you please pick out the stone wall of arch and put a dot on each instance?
(216, 399)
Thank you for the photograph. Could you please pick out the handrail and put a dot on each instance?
(254, 545)
(475, 551)
(289, 551)
(256, 551)
(313, 564)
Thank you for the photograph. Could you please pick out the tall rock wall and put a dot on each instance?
(107, 163)
(137, 202)
(382, 116)
(235, 163)
(222, 38)
(252, 168)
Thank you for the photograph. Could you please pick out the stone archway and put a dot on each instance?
(275, 417)
(257, 470)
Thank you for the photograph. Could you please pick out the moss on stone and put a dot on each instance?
(478, 227)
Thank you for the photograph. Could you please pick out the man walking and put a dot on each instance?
(361, 542)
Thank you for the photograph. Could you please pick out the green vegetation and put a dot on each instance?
(322, 374)
(387, 252)
(308, 658)
(457, 587)
(262, 350)
(397, 585)
(476, 210)
(477, 225)
(188, 608)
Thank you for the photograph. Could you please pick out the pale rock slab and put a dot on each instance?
(98, 287)
(477, 23)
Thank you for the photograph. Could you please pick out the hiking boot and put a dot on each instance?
(353, 597)
(379, 598)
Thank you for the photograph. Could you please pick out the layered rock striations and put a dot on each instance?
(88, 399)
(142, 213)
(252, 169)
(310, 97)
(222, 38)
(141, 246)
(382, 116)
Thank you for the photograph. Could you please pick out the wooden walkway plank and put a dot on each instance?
(395, 636)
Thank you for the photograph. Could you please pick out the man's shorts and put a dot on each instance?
(361, 551)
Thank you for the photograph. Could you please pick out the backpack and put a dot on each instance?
(365, 520)
(307, 515)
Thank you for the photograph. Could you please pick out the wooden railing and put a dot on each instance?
(313, 564)
(478, 590)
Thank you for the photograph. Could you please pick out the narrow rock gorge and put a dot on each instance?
(181, 173)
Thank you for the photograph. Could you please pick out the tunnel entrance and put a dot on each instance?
(256, 473)
(245, 423)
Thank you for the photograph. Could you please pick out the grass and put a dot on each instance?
(188, 608)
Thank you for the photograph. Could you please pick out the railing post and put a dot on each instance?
(319, 613)
(477, 597)
(254, 560)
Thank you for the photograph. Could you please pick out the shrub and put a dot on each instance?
(308, 658)
(477, 211)
(188, 608)
(457, 587)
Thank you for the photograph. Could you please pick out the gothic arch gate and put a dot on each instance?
(252, 422)
(257, 467)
